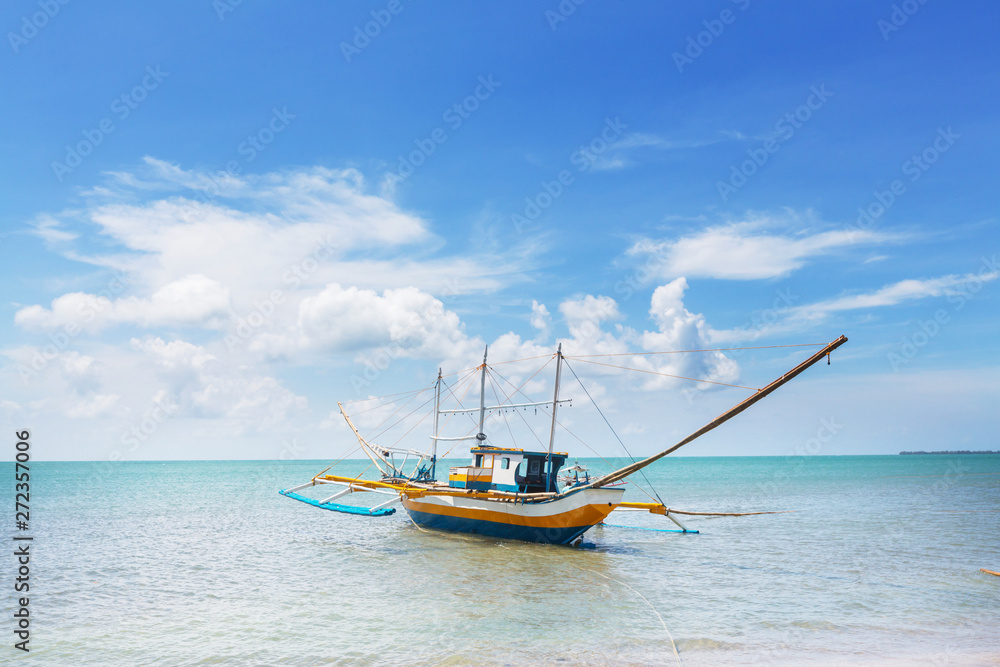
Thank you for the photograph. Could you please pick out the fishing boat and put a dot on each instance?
(508, 492)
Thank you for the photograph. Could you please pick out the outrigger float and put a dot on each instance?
(510, 493)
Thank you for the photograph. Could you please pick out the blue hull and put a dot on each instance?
(503, 531)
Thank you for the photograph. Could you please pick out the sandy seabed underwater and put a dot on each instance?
(203, 563)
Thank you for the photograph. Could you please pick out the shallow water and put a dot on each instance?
(204, 563)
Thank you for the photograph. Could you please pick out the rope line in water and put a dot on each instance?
(673, 644)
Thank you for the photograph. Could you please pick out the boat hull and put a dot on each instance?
(558, 521)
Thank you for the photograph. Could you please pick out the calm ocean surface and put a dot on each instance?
(203, 563)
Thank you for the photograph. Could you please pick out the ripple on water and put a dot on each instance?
(188, 564)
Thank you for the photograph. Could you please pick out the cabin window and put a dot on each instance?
(505, 463)
(534, 468)
(522, 468)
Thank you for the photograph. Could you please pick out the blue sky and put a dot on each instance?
(216, 217)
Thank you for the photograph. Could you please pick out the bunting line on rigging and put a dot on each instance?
(717, 349)
(679, 377)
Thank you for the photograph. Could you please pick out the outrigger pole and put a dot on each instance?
(718, 421)
(364, 443)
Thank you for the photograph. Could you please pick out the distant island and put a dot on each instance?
(957, 451)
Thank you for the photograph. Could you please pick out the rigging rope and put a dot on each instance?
(600, 412)
(400, 420)
(551, 357)
(370, 433)
(503, 413)
(378, 398)
(679, 377)
(578, 438)
(470, 375)
(501, 363)
(717, 349)
(475, 425)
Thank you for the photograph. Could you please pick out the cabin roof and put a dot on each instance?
(503, 450)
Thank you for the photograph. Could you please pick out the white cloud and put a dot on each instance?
(586, 314)
(81, 372)
(745, 250)
(98, 405)
(10, 408)
(896, 293)
(786, 318)
(587, 319)
(680, 329)
(541, 319)
(348, 319)
(622, 153)
(50, 229)
(194, 300)
(201, 385)
(202, 250)
(646, 140)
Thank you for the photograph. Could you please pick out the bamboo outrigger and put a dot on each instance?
(511, 493)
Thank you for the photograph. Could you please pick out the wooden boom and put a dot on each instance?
(721, 419)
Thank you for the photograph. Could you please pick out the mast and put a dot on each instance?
(721, 419)
(482, 399)
(555, 404)
(437, 413)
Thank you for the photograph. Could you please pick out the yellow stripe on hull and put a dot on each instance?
(558, 521)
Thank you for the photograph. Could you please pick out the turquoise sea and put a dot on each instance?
(203, 563)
